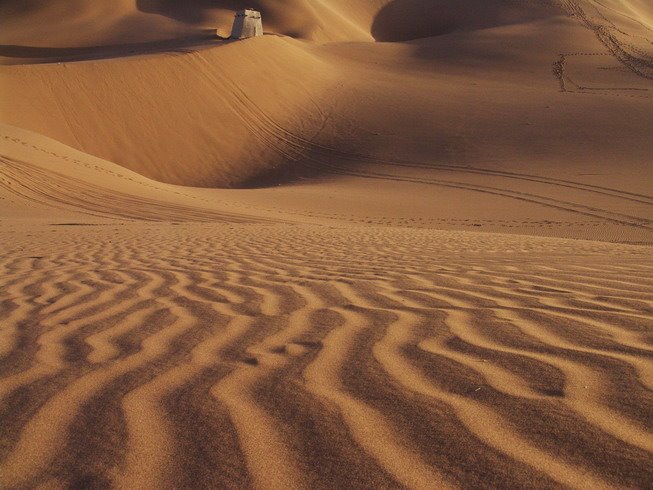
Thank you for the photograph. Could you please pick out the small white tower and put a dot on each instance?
(247, 23)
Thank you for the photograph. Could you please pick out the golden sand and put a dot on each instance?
(311, 259)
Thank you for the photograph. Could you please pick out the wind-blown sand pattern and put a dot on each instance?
(313, 260)
(280, 355)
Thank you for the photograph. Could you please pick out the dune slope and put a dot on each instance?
(91, 23)
(228, 344)
(228, 114)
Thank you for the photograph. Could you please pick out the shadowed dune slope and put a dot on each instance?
(197, 118)
(82, 23)
(41, 174)
(403, 20)
(522, 94)
(92, 23)
(42, 179)
(317, 20)
(541, 119)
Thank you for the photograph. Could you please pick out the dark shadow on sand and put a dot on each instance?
(15, 54)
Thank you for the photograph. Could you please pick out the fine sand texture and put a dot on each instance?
(389, 244)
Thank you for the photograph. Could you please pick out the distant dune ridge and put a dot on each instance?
(389, 244)
(255, 107)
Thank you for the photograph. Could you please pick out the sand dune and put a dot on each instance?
(279, 355)
(229, 342)
(391, 243)
(40, 174)
(545, 74)
(91, 23)
(405, 20)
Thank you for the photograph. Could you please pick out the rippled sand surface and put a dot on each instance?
(388, 244)
(271, 355)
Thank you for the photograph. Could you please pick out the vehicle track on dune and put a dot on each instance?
(226, 354)
(572, 207)
(261, 121)
(304, 152)
(634, 58)
(43, 186)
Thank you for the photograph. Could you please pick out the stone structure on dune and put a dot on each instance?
(247, 23)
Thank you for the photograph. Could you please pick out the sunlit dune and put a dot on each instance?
(387, 244)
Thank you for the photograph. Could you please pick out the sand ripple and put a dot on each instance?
(273, 355)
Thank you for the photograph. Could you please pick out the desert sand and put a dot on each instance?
(388, 244)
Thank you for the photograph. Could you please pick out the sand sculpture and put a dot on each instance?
(247, 24)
